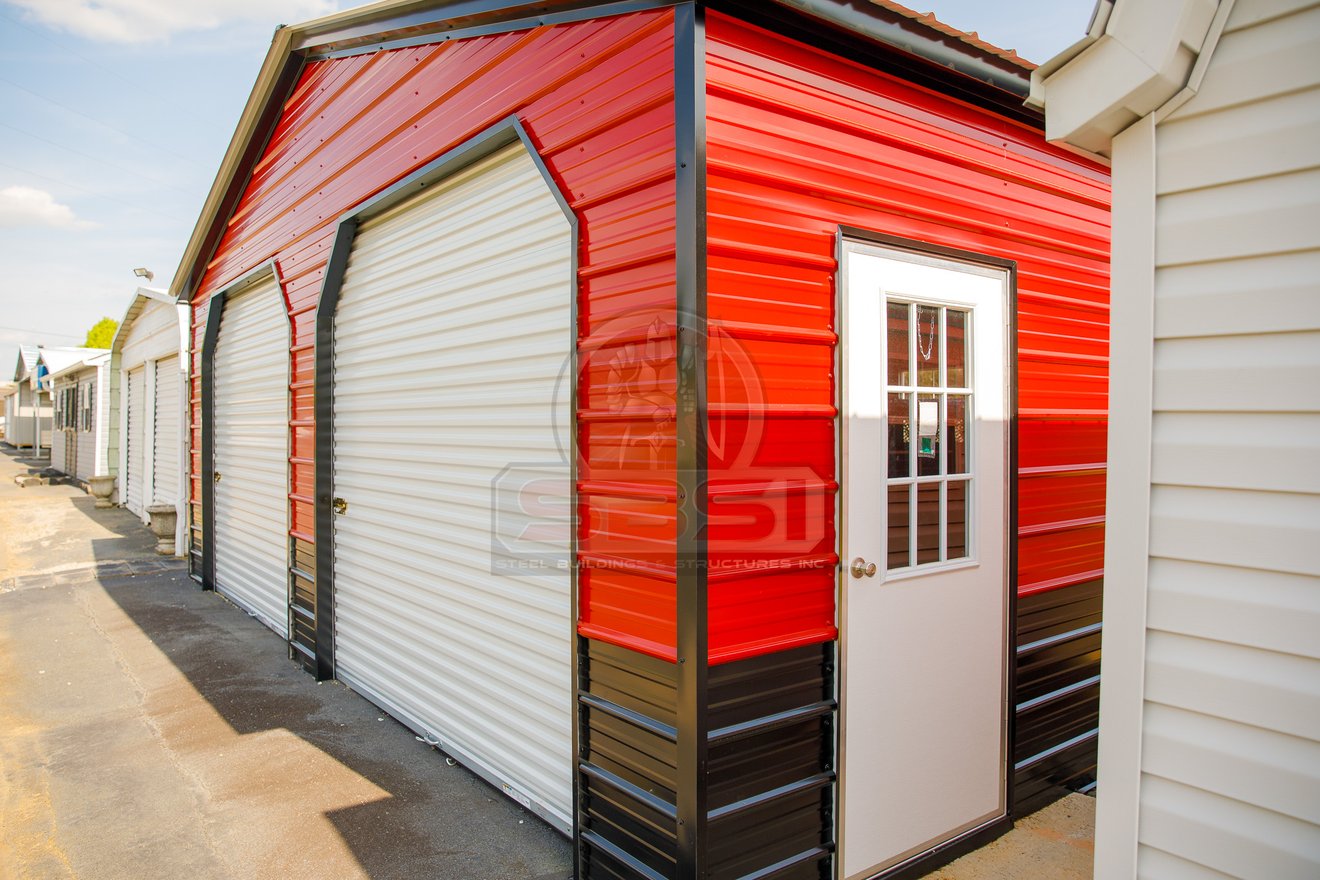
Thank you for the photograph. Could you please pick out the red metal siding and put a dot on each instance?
(799, 143)
(597, 99)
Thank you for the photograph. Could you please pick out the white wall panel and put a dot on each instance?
(1252, 764)
(1270, 531)
(452, 332)
(134, 477)
(1227, 834)
(153, 334)
(1154, 864)
(1274, 451)
(1262, 688)
(165, 467)
(59, 460)
(1246, 373)
(1259, 294)
(1243, 606)
(1264, 216)
(88, 383)
(251, 366)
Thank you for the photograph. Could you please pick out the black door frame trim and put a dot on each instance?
(981, 835)
(505, 133)
(215, 310)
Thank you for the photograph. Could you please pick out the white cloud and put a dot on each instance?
(140, 21)
(23, 206)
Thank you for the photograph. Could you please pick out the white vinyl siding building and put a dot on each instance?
(1210, 708)
(81, 395)
(27, 412)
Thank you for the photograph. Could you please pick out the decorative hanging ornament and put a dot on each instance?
(929, 348)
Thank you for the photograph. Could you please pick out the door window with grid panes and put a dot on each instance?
(929, 433)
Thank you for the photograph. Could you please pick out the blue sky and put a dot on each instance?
(114, 115)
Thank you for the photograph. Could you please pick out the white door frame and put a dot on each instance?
(982, 832)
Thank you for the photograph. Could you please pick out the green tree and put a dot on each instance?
(102, 332)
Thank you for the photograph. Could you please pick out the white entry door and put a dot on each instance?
(924, 596)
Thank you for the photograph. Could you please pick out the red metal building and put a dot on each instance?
(835, 327)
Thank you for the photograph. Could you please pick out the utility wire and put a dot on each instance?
(65, 47)
(104, 162)
(93, 193)
(39, 332)
(130, 135)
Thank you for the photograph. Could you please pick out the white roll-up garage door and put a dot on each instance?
(135, 474)
(452, 329)
(251, 366)
(165, 468)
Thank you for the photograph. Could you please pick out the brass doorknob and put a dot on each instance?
(860, 568)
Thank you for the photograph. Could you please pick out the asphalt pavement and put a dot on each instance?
(152, 730)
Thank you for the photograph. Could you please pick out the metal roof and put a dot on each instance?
(89, 362)
(883, 23)
(971, 38)
(27, 361)
(58, 359)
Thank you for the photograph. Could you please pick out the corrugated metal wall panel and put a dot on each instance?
(1231, 724)
(251, 454)
(799, 143)
(165, 474)
(596, 97)
(135, 474)
(452, 333)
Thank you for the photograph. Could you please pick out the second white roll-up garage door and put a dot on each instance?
(452, 330)
(135, 473)
(251, 416)
(165, 468)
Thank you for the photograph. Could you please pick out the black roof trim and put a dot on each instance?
(932, 57)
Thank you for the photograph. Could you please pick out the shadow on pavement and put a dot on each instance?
(435, 821)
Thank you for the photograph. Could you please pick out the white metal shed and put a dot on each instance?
(147, 446)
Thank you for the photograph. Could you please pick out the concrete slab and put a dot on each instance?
(1056, 843)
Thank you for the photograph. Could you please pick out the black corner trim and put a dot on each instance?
(215, 311)
(504, 133)
(691, 426)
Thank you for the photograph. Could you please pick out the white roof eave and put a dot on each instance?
(1135, 58)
